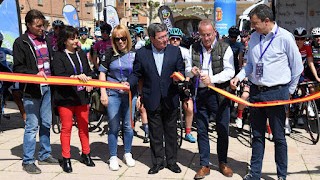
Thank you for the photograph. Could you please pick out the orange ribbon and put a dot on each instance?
(62, 80)
(237, 99)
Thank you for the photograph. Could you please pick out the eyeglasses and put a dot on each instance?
(105, 31)
(316, 36)
(175, 38)
(300, 39)
(120, 38)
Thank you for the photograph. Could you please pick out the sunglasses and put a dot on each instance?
(300, 39)
(175, 38)
(120, 38)
(316, 36)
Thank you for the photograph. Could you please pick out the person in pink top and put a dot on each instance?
(100, 47)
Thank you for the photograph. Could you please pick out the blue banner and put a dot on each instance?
(224, 15)
(71, 15)
(9, 23)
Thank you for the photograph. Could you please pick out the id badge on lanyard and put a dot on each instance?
(259, 69)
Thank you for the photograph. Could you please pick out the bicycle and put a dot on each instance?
(307, 110)
(184, 93)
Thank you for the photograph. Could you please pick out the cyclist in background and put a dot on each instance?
(310, 70)
(175, 37)
(139, 37)
(237, 47)
(85, 42)
(100, 47)
(57, 25)
(244, 35)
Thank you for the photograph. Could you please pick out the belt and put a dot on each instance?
(266, 88)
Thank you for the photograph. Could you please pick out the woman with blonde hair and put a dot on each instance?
(117, 67)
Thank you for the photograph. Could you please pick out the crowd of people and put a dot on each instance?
(145, 64)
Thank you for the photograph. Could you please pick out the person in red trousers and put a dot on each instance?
(72, 100)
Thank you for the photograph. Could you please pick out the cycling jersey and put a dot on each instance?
(86, 44)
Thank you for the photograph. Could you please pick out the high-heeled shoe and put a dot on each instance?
(86, 159)
(66, 165)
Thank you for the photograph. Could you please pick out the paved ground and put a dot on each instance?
(304, 158)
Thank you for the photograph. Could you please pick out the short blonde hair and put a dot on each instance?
(123, 30)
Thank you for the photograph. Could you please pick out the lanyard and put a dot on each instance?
(36, 47)
(198, 79)
(264, 51)
(120, 66)
(73, 65)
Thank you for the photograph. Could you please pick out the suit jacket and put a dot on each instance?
(157, 88)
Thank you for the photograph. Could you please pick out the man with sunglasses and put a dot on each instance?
(155, 63)
(100, 47)
(175, 38)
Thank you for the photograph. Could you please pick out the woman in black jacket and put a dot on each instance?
(72, 100)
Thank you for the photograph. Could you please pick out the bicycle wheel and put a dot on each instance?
(180, 126)
(313, 125)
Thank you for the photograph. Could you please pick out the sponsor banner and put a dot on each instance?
(70, 13)
(224, 15)
(10, 23)
(111, 16)
(166, 16)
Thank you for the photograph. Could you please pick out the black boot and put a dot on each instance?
(86, 159)
(66, 165)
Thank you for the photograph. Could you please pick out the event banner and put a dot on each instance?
(224, 15)
(111, 16)
(71, 15)
(9, 23)
(166, 16)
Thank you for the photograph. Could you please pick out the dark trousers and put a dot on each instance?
(208, 104)
(258, 118)
(163, 134)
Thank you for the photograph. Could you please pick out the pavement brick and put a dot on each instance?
(304, 157)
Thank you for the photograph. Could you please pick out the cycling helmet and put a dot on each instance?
(244, 33)
(1, 36)
(105, 28)
(315, 31)
(300, 32)
(139, 30)
(57, 23)
(83, 30)
(175, 32)
(233, 31)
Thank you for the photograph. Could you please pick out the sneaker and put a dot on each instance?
(248, 177)
(310, 111)
(31, 168)
(239, 123)
(128, 160)
(190, 138)
(49, 161)
(287, 129)
(113, 163)
(281, 178)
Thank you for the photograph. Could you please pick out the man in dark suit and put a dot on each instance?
(155, 63)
